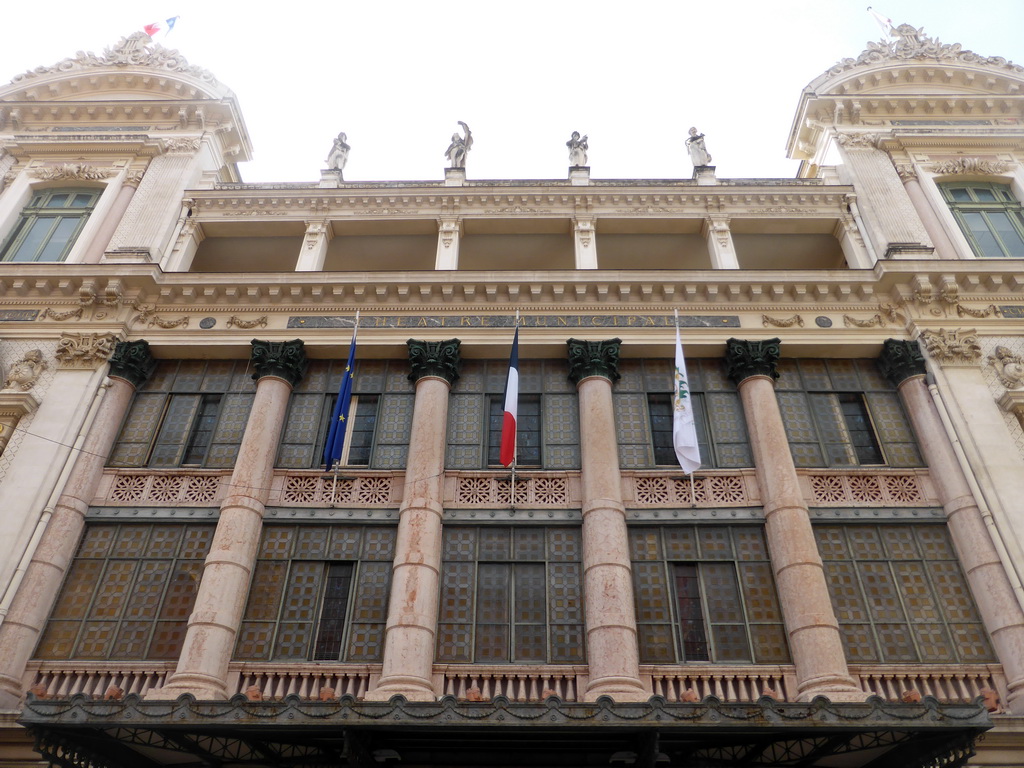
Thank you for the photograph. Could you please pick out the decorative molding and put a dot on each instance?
(181, 146)
(585, 229)
(448, 228)
(1012, 401)
(787, 322)
(989, 311)
(61, 316)
(315, 230)
(26, 372)
(955, 347)
(593, 358)
(13, 405)
(236, 322)
(151, 319)
(858, 140)
(283, 359)
(84, 350)
(1009, 368)
(900, 360)
(752, 358)
(71, 172)
(907, 172)
(134, 177)
(970, 165)
(133, 362)
(875, 321)
(434, 358)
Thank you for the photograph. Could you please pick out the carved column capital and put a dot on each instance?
(84, 350)
(955, 347)
(901, 360)
(752, 358)
(283, 359)
(593, 358)
(434, 358)
(133, 362)
(907, 172)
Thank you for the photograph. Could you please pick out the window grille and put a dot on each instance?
(49, 225)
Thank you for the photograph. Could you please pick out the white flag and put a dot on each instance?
(684, 430)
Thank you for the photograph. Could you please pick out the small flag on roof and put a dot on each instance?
(164, 26)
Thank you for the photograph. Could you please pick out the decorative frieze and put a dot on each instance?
(236, 322)
(955, 347)
(181, 146)
(71, 172)
(782, 322)
(84, 350)
(858, 140)
(593, 358)
(434, 358)
(900, 360)
(752, 358)
(970, 165)
(133, 362)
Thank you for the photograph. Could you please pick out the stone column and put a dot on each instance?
(944, 248)
(130, 183)
(585, 243)
(720, 244)
(449, 233)
(904, 366)
(210, 639)
(609, 613)
(811, 624)
(314, 247)
(411, 633)
(130, 365)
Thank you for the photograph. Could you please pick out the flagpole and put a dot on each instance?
(693, 494)
(515, 451)
(337, 462)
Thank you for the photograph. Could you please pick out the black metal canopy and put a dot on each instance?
(298, 733)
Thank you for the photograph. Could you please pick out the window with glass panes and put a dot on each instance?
(990, 217)
(379, 422)
(900, 595)
(843, 413)
(49, 225)
(511, 595)
(128, 593)
(548, 425)
(318, 593)
(643, 414)
(705, 593)
(189, 413)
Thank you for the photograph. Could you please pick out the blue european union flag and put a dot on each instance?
(339, 419)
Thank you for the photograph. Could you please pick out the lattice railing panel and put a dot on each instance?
(323, 490)
(177, 488)
(859, 489)
(517, 683)
(725, 490)
(547, 490)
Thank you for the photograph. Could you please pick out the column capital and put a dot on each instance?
(900, 360)
(434, 358)
(132, 361)
(284, 359)
(593, 358)
(752, 358)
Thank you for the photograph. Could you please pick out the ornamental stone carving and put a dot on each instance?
(26, 372)
(593, 358)
(906, 171)
(134, 177)
(71, 172)
(970, 165)
(133, 362)
(744, 359)
(283, 359)
(434, 358)
(135, 50)
(858, 140)
(900, 360)
(1009, 368)
(84, 350)
(953, 347)
(181, 146)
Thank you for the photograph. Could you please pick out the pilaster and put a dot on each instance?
(449, 235)
(585, 242)
(314, 246)
(718, 235)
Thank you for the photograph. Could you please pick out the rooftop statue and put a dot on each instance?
(698, 152)
(459, 148)
(339, 153)
(577, 150)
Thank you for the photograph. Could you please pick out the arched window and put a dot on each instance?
(990, 217)
(49, 225)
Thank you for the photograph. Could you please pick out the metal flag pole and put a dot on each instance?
(693, 494)
(336, 469)
(515, 446)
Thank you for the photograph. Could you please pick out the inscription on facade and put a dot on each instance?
(532, 321)
(1012, 310)
(18, 315)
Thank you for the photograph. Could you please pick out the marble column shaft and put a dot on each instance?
(411, 633)
(108, 226)
(45, 573)
(811, 625)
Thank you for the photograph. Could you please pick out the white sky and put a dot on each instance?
(396, 76)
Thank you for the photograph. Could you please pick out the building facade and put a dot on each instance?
(184, 581)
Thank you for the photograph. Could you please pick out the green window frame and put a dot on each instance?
(49, 225)
(990, 217)
(189, 413)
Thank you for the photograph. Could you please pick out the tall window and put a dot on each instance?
(511, 595)
(379, 422)
(548, 423)
(49, 225)
(899, 594)
(843, 413)
(318, 593)
(190, 413)
(643, 415)
(705, 593)
(128, 593)
(989, 216)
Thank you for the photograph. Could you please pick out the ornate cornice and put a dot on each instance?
(282, 359)
(439, 359)
(84, 350)
(71, 172)
(901, 360)
(744, 359)
(593, 358)
(133, 362)
(955, 347)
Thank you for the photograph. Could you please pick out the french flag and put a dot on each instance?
(508, 424)
(160, 26)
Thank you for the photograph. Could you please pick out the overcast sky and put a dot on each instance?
(397, 76)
